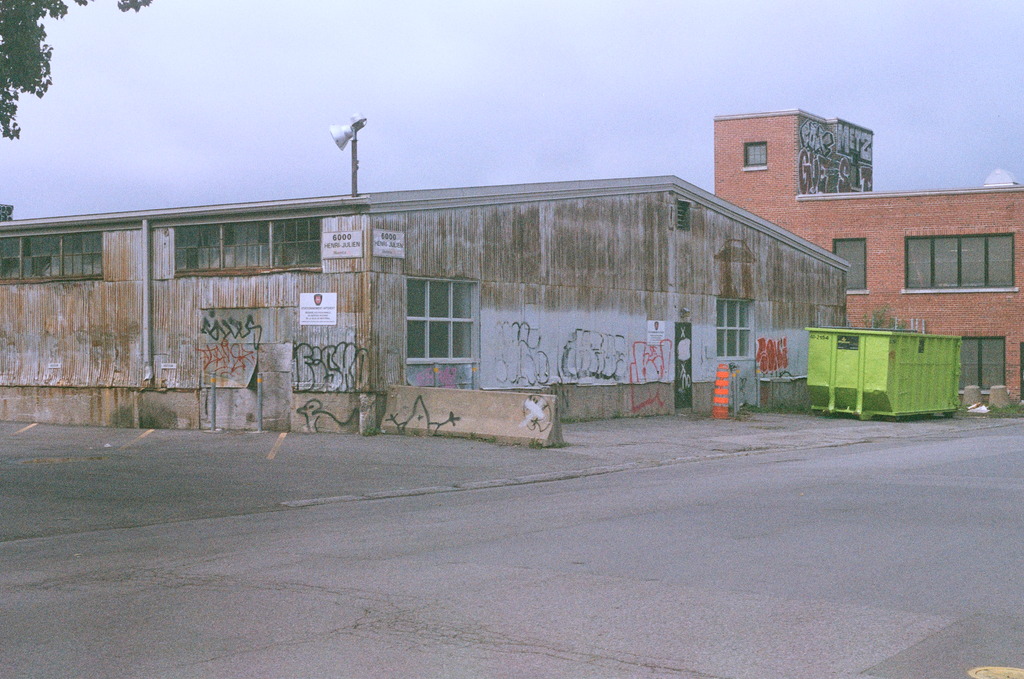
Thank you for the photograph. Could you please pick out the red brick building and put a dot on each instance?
(940, 261)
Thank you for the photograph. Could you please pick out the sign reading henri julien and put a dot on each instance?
(388, 244)
(318, 308)
(341, 244)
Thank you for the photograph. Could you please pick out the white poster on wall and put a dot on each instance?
(318, 308)
(341, 244)
(656, 331)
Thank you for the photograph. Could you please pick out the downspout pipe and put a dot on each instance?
(147, 305)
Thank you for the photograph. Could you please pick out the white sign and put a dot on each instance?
(389, 244)
(656, 331)
(318, 308)
(341, 244)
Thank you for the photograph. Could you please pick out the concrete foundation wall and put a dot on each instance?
(597, 402)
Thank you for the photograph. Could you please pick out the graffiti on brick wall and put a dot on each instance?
(591, 355)
(772, 355)
(652, 362)
(319, 419)
(521, 362)
(328, 367)
(834, 158)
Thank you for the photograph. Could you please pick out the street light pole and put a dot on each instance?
(342, 135)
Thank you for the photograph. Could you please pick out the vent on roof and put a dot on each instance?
(6, 213)
(1000, 178)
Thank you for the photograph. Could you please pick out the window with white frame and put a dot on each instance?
(440, 332)
(733, 328)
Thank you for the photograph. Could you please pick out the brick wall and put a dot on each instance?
(884, 220)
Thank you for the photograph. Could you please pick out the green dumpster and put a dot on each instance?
(882, 372)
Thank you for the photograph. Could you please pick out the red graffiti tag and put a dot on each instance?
(772, 354)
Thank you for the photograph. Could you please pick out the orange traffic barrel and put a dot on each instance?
(720, 401)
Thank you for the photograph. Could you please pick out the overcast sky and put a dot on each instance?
(198, 102)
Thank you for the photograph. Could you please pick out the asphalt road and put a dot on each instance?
(741, 550)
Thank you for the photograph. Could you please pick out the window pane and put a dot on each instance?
(853, 251)
(721, 314)
(742, 342)
(1000, 261)
(992, 366)
(246, 245)
(972, 261)
(919, 263)
(755, 153)
(438, 294)
(10, 258)
(461, 340)
(946, 263)
(721, 343)
(415, 292)
(730, 315)
(438, 339)
(462, 300)
(415, 343)
(297, 242)
(969, 363)
(41, 254)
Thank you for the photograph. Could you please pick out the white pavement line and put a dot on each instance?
(25, 428)
(137, 438)
(277, 446)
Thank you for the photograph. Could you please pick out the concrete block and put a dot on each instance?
(509, 417)
(972, 395)
(998, 396)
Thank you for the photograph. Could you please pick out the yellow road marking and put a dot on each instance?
(137, 438)
(26, 428)
(277, 446)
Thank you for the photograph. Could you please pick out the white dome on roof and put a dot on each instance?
(1000, 178)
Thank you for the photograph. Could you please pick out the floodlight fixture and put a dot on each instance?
(342, 134)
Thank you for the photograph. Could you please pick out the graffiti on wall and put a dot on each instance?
(421, 415)
(220, 324)
(772, 355)
(229, 342)
(834, 158)
(440, 376)
(328, 367)
(684, 366)
(649, 399)
(536, 413)
(319, 419)
(652, 362)
(591, 355)
(521, 362)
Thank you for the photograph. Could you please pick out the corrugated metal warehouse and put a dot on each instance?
(620, 297)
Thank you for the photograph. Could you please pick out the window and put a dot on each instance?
(853, 250)
(982, 361)
(755, 154)
(439, 320)
(682, 215)
(733, 328)
(71, 255)
(959, 261)
(247, 245)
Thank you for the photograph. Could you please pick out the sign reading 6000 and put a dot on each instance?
(341, 244)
